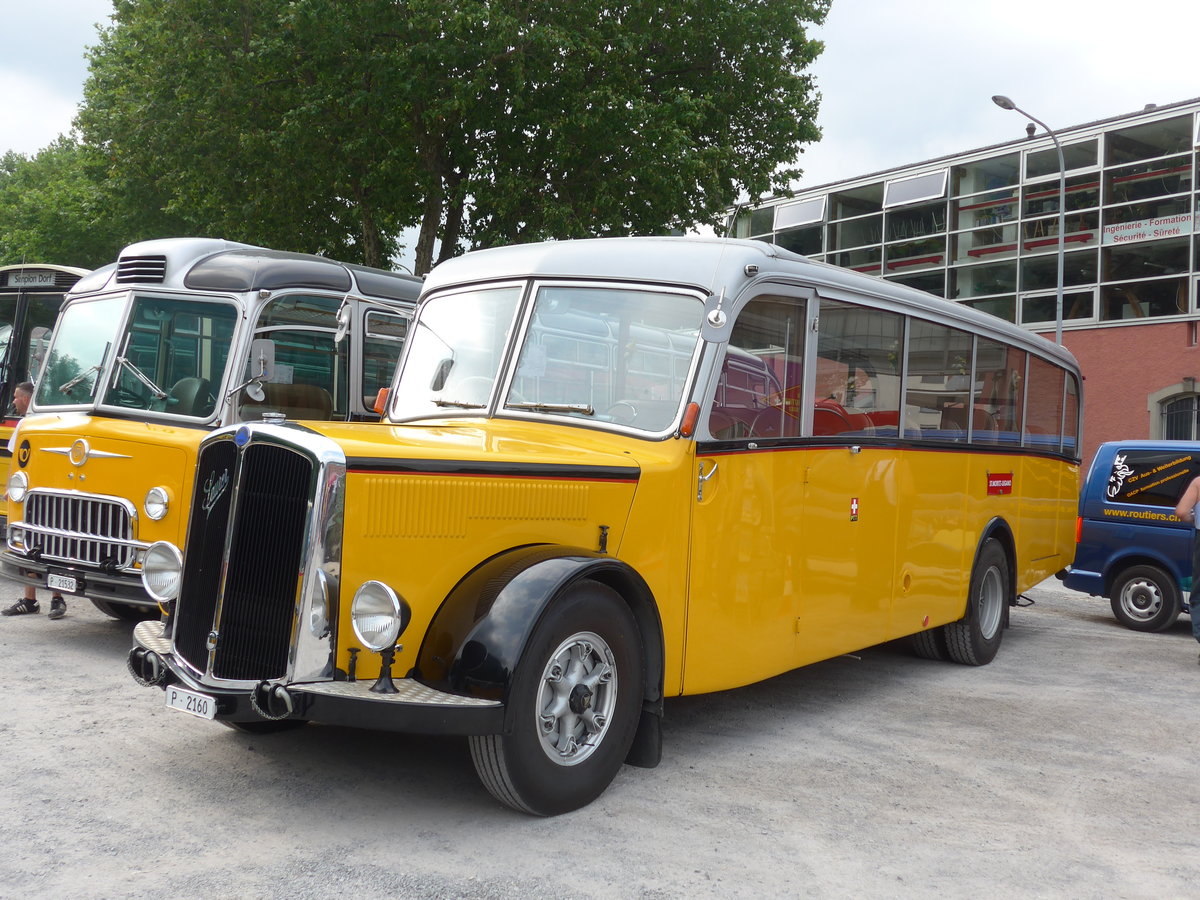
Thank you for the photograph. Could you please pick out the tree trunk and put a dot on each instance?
(430, 221)
(372, 240)
(454, 220)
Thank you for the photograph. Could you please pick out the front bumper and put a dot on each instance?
(97, 585)
(414, 709)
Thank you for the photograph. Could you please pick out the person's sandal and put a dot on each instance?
(22, 607)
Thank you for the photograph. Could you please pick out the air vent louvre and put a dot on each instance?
(141, 269)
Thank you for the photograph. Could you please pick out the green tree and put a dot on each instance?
(329, 126)
(254, 128)
(59, 207)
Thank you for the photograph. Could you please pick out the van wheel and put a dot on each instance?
(574, 706)
(1146, 598)
(974, 639)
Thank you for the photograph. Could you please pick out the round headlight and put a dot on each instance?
(162, 571)
(378, 615)
(155, 503)
(18, 485)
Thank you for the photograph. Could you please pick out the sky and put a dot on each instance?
(902, 81)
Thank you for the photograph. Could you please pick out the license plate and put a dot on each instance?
(190, 702)
(67, 584)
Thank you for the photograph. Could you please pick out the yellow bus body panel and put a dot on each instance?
(789, 557)
(126, 459)
(422, 529)
(804, 554)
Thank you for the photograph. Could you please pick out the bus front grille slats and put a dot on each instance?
(79, 529)
(257, 604)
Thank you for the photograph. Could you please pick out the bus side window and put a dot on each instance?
(858, 388)
(758, 393)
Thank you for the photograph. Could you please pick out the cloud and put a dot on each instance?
(904, 82)
(32, 113)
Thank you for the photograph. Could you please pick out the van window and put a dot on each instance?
(1150, 477)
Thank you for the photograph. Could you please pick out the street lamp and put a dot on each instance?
(1004, 103)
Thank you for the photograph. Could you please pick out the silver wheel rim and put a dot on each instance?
(576, 697)
(1141, 599)
(991, 603)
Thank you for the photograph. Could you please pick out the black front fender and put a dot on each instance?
(477, 637)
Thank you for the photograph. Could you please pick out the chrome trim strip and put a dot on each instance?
(91, 453)
(408, 691)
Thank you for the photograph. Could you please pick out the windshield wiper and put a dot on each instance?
(66, 386)
(460, 404)
(141, 376)
(584, 408)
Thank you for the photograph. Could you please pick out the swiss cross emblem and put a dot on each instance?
(853, 509)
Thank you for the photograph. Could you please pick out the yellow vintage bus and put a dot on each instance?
(178, 337)
(616, 471)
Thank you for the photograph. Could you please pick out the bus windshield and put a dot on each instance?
(594, 353)
(616, 355)
(455, 351)
(80, 350)
(172, 356)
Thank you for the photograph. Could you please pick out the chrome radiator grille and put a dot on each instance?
(80, 528)
(243, 562)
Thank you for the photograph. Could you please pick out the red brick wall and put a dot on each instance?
(1122, 366)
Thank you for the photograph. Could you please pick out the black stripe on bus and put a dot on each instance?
(775, 445)
(360, 465)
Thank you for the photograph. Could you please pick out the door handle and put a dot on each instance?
(704, 478)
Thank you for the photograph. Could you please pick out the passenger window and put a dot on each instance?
(758, 395)
(938, 383)
(857, 388)
(1000, 391)
(1044, 415)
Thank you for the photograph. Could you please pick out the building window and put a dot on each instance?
(1143, 299)
(1179, 419)
(803, 212)
(914, 190)
(805, 241)
(1148, 141)
(1043, 163)
(987, 174)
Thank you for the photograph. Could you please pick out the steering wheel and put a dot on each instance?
(123, 396)
(622, 412)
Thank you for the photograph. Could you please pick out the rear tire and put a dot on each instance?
(1146, 598)
(931, 644)
(574, 704)
(974, 639)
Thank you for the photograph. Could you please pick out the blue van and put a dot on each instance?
(1129, 544)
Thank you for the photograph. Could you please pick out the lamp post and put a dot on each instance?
(1004, 103)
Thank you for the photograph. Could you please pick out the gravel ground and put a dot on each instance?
(1060, 770)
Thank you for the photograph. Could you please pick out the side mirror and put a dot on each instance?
(345, 314)
(262, 359)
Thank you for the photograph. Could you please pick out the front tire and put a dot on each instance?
(265, 726)
(574, 706)
(1146, 598)
(974, 639)
(126, 612)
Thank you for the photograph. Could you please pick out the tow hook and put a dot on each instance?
(272, 701)
(146, 667)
